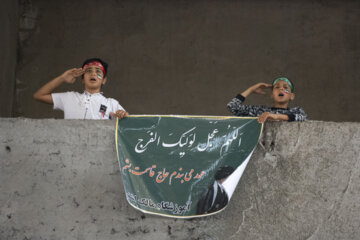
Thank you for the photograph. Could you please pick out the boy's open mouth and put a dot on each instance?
(93, 79)
(281, 94)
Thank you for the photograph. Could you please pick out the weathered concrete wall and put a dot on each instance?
(9, 19)
(192, 57)
(59, 179)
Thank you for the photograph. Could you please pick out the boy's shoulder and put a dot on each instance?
(68, 93)
(111, 100)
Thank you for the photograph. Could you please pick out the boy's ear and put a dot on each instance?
(292, 97)
(104, 81)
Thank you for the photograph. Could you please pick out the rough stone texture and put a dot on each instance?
(59, 179)
(192, 57)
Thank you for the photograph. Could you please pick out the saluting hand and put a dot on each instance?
(259, 88)
(70, 75)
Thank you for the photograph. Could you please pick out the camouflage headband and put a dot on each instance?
(285, 80)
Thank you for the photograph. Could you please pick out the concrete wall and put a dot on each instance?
(59, 179)
(192, 57)
(9, 19)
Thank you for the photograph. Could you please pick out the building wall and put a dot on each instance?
(192, 57)
(9, 19)
(60, 179)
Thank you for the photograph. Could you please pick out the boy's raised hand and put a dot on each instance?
(44, 93)
(70, 75)
(257, 88)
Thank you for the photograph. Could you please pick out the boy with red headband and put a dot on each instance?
(282, 93)
(90, 104)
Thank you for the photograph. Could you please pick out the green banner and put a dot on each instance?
(183, 166)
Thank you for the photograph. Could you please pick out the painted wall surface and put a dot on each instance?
(59, 179)
(8, 55)
(192, 57)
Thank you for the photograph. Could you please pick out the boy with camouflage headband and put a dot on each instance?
(282, 93)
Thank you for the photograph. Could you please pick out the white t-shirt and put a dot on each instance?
(85, 106)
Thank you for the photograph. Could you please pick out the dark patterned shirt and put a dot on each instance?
(237, 108)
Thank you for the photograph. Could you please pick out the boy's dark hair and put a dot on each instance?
(90, 60)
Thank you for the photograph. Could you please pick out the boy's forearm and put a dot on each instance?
(282, 117)
(267, 116)
(44, 93)
(247, 92)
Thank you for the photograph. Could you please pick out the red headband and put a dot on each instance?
(98, 64)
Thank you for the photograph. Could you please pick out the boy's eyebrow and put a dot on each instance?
(283, 79)
(93, 67)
